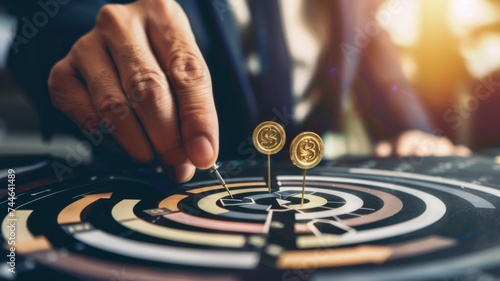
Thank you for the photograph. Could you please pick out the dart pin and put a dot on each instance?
(306, 151)
(269, 138)
(213, 170)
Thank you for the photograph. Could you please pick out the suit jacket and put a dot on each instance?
(386, 101)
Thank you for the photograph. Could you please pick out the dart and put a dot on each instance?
(213, 170)
(269, 138)
(306, 151)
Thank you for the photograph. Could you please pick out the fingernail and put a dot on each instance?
(201, 152)
(184, 172)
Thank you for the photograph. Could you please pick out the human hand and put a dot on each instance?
(125, 63)
(420, 144)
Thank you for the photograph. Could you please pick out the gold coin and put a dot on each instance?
(269, 137)
(306, 150)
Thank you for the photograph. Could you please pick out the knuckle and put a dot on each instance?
(109, 15)
(111, 99)
(189, 71)
(109, 104)
(82, 47)
(147, 86)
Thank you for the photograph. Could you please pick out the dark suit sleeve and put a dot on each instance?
(392, 105)
(46, 30)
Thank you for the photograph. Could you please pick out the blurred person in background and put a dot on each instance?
(476, 26)
(450, 53)
(188, 72)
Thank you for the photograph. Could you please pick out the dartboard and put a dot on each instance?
(393, 219)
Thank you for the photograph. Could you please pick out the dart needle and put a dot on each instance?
(214, 170)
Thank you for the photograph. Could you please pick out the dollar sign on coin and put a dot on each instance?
(269, 137)
(306, 150)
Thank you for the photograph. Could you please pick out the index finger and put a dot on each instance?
(180, 57)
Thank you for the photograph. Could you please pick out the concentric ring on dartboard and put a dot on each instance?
(353, 217)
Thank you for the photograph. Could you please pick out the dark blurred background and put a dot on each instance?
(20, 130)
(449, 49)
